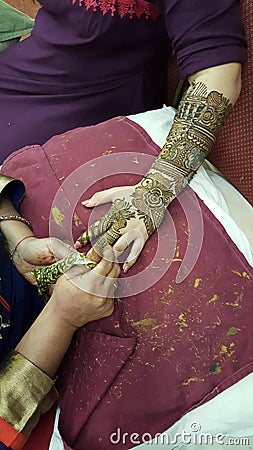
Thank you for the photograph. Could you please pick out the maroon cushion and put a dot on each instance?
(171, 344)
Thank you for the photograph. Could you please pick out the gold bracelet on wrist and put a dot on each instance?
(18, 218)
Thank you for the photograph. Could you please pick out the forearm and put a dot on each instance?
(11, 192)
(26, 385)
(12, 230)
(47, 340)
(201, 113)
(225, 79)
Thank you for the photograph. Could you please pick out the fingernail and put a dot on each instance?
(126, 268)
(87, 203)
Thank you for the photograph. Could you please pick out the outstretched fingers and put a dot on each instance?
(93, 232)
(101, 197)
(137, 240)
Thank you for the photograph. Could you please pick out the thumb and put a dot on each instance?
(59, 249)
(105, 266)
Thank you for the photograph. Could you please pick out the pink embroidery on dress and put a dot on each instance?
(122, 7)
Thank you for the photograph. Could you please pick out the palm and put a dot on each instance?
(35, 252)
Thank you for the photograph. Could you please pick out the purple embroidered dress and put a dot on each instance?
(89, 61)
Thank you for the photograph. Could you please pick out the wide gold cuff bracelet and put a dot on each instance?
(23, 387)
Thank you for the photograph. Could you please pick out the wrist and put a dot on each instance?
(17, 250)
(13, 226)
(60, 316)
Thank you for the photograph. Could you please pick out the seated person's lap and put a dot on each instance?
(206, 313)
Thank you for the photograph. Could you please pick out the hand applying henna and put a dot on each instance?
(25, 250)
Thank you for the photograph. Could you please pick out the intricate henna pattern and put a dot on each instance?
(199, 118)
(47, 275)
(150, 198)
(109, 225)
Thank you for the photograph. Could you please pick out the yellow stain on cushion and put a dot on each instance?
(190, 380)
(135, 160)
(197, 282)
(239, 298)
(224, 349)
(242, 274)
(228, 351)
(77, 221)
(213, 299)
(181, 322)
(233, 330)
(107, 152)
(145, 322)
(58, 216)
(234, 305)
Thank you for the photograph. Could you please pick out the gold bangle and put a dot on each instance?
(18, 218)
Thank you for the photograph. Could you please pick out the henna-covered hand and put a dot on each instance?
(138, 211)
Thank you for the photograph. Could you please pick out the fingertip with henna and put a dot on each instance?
(77, 245)
(126, 267)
